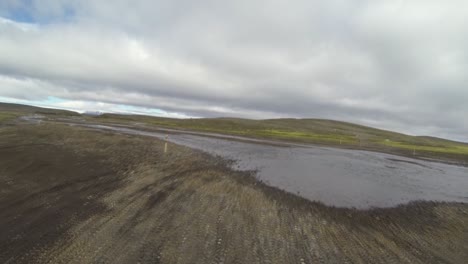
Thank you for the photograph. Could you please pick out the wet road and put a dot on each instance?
(336, 177)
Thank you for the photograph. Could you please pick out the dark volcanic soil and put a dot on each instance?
(68, 195)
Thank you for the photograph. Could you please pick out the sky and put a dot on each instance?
(392, 64)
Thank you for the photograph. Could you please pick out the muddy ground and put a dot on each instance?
(69, 195)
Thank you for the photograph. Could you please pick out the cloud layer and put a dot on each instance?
(393, 64)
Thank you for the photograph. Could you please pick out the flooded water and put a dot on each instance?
(33, 119)
(336, 177)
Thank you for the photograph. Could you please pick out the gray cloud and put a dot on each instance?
(393, 64)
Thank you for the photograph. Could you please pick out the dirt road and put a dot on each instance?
(68, 195)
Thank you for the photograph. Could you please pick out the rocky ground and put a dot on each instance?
(71, 195)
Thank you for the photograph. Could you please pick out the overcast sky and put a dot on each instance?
(400, 65)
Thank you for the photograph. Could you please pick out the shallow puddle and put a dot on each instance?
(336, 177)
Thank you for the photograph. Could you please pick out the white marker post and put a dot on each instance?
(165, 144)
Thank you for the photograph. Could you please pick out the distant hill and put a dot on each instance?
(296, 129)
(19, 108)
(312, 131)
